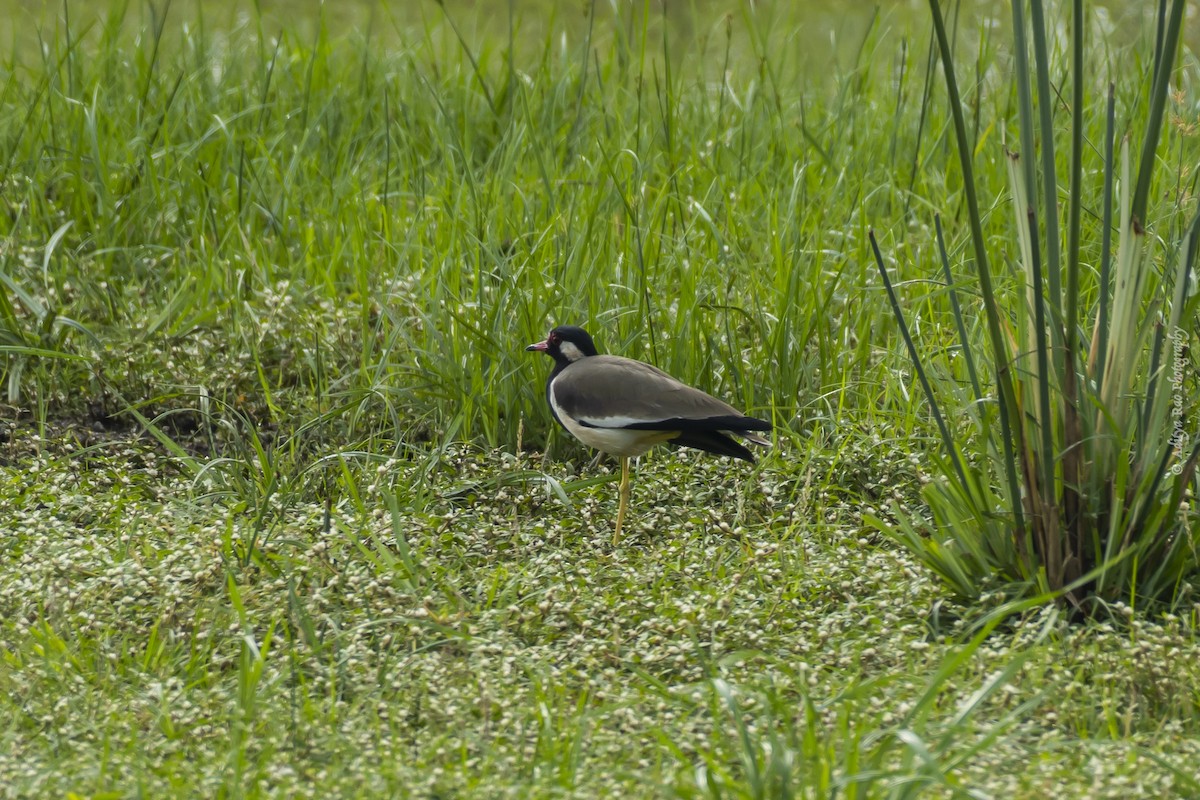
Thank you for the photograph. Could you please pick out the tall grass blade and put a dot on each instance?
(1073, 519)
(947, 440)
(1042, 492)
(964, 340)
(1024, 101)
(1165, 49)
(1010, 421)
(1099, 345)
(1049, 213)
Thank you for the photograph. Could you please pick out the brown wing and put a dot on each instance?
(616, 392)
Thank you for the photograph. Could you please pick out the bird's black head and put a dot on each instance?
(565, 344)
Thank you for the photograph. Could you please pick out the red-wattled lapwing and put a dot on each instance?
(625, 407)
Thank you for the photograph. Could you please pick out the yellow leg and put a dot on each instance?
(624, 502)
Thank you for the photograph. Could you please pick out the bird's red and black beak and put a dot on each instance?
(540, 347)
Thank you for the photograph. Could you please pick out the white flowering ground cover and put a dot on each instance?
(284, 514)
(749, 630)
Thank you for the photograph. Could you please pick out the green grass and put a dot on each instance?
(288, 517)
(1101, 511)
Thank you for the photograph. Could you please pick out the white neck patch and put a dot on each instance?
(570, 351)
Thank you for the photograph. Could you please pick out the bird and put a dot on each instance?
(624, 407)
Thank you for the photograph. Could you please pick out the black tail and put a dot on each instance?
(713, 442)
